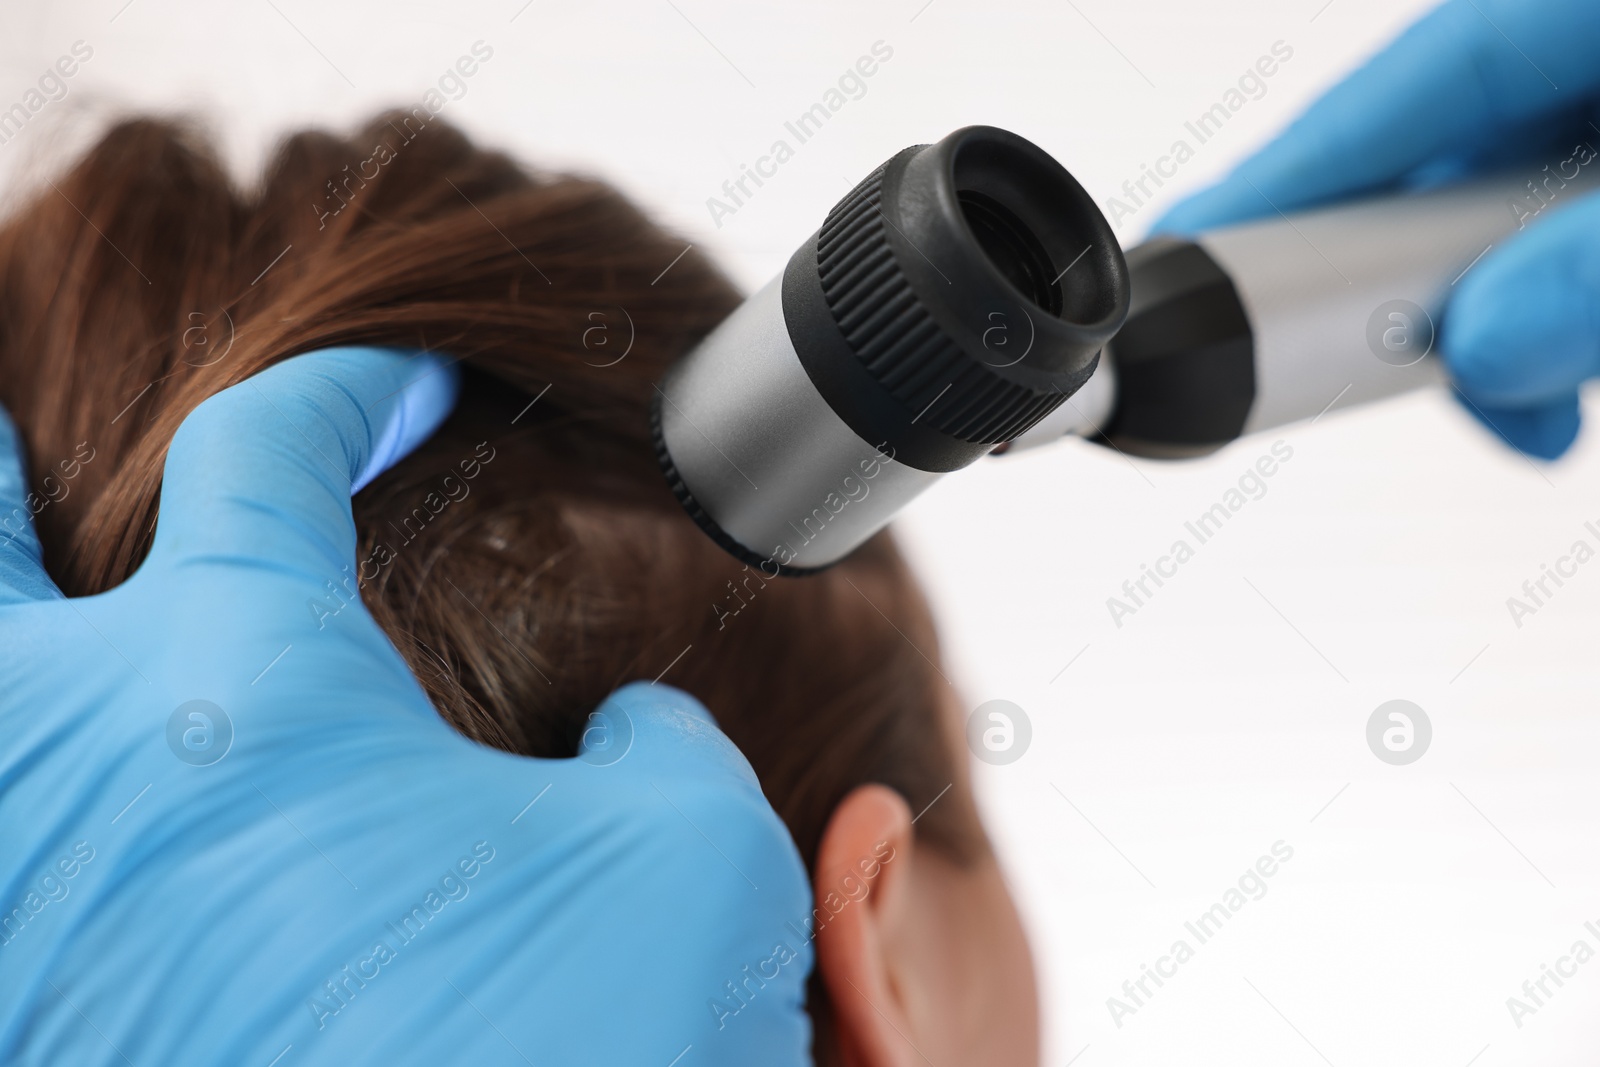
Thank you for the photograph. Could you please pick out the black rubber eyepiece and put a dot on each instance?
(956, 296)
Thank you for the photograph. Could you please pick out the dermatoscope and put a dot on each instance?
(956, 296)
(969, 297)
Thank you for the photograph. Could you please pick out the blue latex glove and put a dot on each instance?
(1474, 85)
(351, 882)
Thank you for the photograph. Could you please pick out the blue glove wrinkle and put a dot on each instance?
(421, 406)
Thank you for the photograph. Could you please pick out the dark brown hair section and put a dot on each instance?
(525, 561)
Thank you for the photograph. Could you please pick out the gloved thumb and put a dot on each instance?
(263, 471)
(1522, 331)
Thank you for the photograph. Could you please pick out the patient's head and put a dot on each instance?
(529, 558)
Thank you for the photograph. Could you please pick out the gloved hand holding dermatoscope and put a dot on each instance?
(1452, 97)
(956, 303)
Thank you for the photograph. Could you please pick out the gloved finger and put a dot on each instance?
(262, 472)
(660, 730)
(1522, 331)
(719, 854)
(667, 739)
(1545, 430)
(22, 574)
(1451, 82)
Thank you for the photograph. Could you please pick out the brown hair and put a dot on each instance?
(526, 560)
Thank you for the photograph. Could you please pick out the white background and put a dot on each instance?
(1230, 711)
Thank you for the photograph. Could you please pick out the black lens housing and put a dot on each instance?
(956, 296)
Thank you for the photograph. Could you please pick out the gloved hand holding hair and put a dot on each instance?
(241, 818)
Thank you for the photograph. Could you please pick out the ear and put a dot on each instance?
(864, 904)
